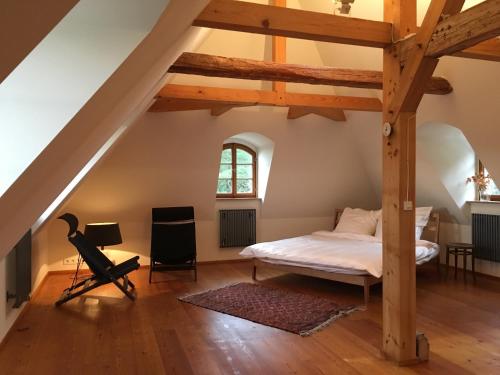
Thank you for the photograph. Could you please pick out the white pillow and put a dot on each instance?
(418, 232)
(421, 218)
(357, 220)
(378, 230)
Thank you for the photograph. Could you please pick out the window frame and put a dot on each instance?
(233, 147)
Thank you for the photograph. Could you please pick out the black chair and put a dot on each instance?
(173, 240)
(104, 271)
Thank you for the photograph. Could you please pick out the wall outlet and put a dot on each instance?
(71, 261)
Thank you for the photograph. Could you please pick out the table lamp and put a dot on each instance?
(103, 234)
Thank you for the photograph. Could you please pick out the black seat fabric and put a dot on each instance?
(173, 239)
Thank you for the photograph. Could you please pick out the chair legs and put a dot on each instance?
(473, 267)
(464, 265)
(447, 260)
(91, 283)
(366, 291)
(464, 250)
(124, 288)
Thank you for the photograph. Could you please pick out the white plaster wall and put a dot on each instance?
(173, 158)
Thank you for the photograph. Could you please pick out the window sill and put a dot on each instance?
(484, 201)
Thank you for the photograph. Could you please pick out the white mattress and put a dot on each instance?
(347, 253)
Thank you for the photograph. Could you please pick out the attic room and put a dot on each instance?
(274, 186)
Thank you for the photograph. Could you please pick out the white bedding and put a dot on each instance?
(333, 252)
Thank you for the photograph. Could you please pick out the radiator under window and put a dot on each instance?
(237, 227)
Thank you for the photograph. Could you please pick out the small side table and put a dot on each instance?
(464, 250)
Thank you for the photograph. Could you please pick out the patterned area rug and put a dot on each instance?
(290, 311)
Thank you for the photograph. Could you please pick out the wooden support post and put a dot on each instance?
(399, 290)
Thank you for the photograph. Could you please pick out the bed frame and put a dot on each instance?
(430, 233)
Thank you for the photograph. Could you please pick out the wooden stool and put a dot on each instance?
(464, 250)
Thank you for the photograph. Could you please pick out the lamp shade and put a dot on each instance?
(103, 234)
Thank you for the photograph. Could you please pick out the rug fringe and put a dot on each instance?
(333, 318)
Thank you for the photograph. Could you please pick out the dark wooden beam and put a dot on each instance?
(293, 23)
(217, 66)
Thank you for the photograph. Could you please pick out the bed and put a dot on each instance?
(344, 257)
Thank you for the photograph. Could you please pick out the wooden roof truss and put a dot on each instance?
(410, 55)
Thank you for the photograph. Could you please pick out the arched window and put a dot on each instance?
(237, 172)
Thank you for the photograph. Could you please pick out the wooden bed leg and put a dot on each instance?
(254, 272)
(366, 290)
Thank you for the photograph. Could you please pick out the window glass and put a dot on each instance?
(492, 188)
(225, 171)
(244, 171)
(244, 186)
(226, 156)
(237, 172)
(224, 186)
(243, 157)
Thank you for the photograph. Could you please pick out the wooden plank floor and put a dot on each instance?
(107, 334)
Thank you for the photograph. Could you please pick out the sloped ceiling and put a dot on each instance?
(65, 69)
(126, 94)
(16, 39)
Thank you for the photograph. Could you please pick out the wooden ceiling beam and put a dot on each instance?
(223, 108)
(488, 50)
(279, 52)
(467, 34)
(174, 105)
(218, 66)
(334, 114)
(293, 23)
(297, 112)
(214, 96)
(406, 96)
(466, 29)
(181, 104)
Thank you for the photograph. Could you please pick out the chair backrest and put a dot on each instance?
(98, 263)
(173, 235)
